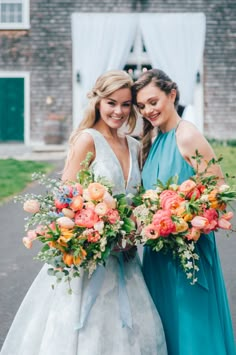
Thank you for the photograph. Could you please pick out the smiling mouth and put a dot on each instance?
(154, 117)
(117, 118)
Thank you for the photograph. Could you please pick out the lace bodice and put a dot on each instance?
(107, 164)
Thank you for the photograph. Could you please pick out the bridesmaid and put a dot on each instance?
(196, 318)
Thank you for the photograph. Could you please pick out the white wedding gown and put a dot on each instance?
(111, 313)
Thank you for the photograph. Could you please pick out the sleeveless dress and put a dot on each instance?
(112, 313)
(196, 318)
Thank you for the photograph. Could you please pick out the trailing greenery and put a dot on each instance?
(15, 175)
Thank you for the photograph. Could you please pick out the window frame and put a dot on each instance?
(25, 24)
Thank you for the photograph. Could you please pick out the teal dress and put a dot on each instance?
(196, 318)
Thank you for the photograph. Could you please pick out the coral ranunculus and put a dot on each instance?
(27, 242)
(96, 191)
(170, 200)
(163, 222)
(86, 218)
(194, 234)
(113, 216)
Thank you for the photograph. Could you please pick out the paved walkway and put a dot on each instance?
(18, 269)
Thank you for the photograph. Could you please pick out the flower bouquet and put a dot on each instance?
(78, 223)
(172, 217)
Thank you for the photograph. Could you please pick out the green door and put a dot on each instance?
(11, 109)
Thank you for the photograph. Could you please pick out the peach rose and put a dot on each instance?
(31, 206)
(187, 186)
(93, 237)
(76, 203)
(68, 213)
(113, 216)
(101, 209)
(109, 200)
(65, 222)
(96, 191)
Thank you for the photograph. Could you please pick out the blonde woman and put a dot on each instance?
(112, 312)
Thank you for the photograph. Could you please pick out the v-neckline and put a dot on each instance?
(126, 182)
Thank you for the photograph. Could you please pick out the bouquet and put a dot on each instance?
(173, 217)
(78, 223)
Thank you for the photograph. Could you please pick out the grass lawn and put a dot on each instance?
(228, 163)
(15, 175)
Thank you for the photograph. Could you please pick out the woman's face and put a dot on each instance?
(155, 105)
(115, 109)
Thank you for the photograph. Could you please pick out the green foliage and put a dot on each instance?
(16, 174)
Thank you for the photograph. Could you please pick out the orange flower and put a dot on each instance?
(180, 225)
(170, 200)
(96, 191)
(68, 259)
(76, 203)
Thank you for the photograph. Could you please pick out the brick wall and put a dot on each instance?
(46, 51)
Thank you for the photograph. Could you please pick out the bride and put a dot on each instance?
(112, 312)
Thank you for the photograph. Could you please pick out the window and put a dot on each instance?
(138, 59)
(14, 14)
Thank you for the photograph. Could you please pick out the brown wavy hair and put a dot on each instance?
(164, 83)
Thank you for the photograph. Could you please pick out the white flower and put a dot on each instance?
(204, 198)
(223, 188)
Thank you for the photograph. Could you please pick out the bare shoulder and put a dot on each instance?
(81, 145)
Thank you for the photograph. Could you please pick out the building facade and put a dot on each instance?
(36, 74)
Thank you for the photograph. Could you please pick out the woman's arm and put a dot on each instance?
(76, 155)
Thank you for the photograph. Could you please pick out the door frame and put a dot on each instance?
(26, 76)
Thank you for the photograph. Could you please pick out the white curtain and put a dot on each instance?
(175, 44)
(101, 42)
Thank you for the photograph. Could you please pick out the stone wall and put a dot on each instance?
(46, 52)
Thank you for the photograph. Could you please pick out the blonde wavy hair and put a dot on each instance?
(105, 85)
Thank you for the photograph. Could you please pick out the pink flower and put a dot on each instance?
(187, 186)
(113, 216)
(200, 222)
(27, 242)
(224, 224)
(228, 216)
(86, 218)
(163, 222)
(93, 237)
(31, 234)
(31, 206)
(109, 200)
(151, 232)
(212, 217)
(65, 222)
(101, 209)
(170, 200)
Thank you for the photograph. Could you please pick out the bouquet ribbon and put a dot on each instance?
(92, 291)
